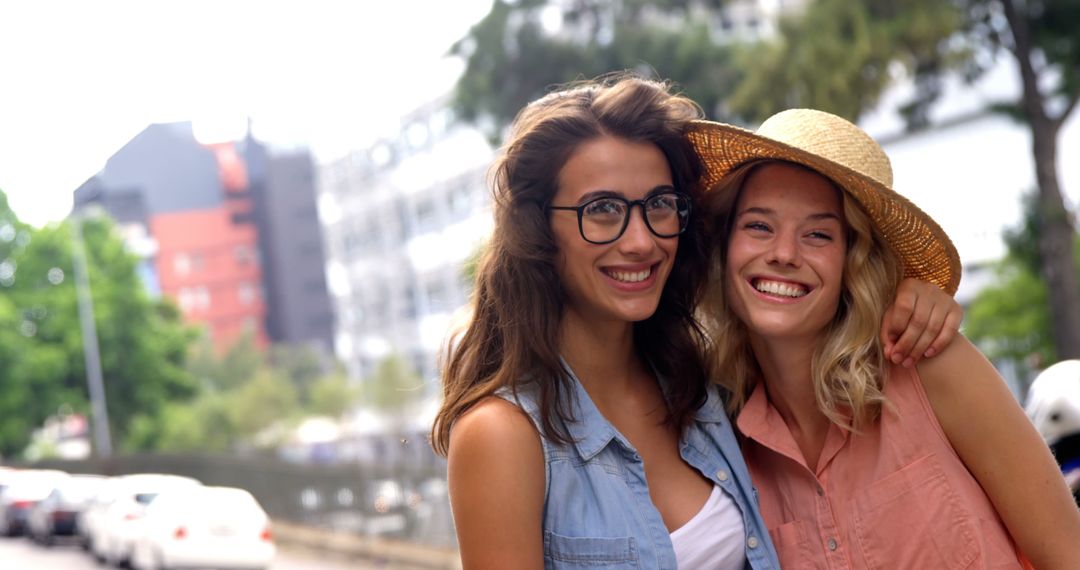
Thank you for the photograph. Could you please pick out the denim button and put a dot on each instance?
(721, 475)
(752, 542)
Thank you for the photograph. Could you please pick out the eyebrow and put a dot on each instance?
(771, 212)
(611, 193)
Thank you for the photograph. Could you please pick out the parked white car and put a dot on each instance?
(204, 527)
(118, 513)
(22, 490)
(57, 514)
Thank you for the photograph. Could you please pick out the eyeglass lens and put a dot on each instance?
(605, 219)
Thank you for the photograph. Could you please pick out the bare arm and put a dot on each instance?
(921, 322)
(496, 479)
(1002, 449)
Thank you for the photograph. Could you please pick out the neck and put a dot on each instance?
(602, 354)
(785, 366)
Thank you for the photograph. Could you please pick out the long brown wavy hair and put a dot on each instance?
(517, 303)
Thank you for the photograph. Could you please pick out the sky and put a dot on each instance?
(80, 79)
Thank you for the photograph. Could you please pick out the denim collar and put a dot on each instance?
(591, 431)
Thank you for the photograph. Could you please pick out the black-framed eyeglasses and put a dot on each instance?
(603, 220)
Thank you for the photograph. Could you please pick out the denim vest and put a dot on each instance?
(597, 508)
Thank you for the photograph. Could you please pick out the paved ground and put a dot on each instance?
(19, 554)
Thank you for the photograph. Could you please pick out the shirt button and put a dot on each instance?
(721, 475)
(752, 542)
(820, 491)
(832, 544)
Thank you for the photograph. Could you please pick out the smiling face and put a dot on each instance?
(785, 258)
(619, 281)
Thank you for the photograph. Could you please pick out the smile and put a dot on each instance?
(781, 289)
(629, 276)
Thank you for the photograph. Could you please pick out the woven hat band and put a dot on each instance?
(830, 137)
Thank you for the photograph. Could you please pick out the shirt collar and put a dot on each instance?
(587, 427)
(759, 421)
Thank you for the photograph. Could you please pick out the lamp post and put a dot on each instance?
(99, 414)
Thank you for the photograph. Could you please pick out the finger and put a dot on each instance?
(934, 326)
(896, 320)
(948, 332)
(920, 315)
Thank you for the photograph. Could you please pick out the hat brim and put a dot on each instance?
(925, 250)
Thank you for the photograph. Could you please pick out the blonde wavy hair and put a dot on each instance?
(848, 369)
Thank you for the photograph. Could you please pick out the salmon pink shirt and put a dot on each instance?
(895, 495)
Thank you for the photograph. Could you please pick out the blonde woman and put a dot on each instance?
(860, 463)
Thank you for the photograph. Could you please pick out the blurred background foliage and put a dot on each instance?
(167, 389)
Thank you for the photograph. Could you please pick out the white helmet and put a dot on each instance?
(1053, 402)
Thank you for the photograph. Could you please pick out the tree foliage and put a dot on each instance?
(248, 397)
(142, 342)
(393, 386)
(839, 56)
(520, 50)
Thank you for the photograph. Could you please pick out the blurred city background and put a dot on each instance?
(235, 234)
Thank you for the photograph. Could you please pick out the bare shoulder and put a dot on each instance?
(496, 474)
(495, 442)
(959, 366)
(494, 426)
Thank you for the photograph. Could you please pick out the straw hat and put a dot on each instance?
(844, 153)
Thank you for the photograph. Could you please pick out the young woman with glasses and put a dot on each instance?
(579, 424)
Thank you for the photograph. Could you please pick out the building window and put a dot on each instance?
(426, 216)
(247, 293)
(186, 299)
(437, 295)
(182, 264)
(243, 255)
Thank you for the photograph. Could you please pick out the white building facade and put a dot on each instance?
(401, 220)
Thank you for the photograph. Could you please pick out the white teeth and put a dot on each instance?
(777, 288)
(630, 276)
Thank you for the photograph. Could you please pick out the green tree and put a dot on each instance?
(333, 395)
(522, 48)
(840, 55)
(1011, 318)
(392, 387)
(142, 342)
(15, 356)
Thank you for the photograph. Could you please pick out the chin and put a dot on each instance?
(638, 314)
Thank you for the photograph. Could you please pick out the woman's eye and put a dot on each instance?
(604, 208)
(756, 226)
(822, 236)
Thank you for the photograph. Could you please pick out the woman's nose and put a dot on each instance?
(637, 234)
(785, 250)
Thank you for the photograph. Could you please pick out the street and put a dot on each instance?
(20, 554)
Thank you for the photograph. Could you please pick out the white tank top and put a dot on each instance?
(714, 539)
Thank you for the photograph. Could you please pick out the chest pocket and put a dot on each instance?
(793, 546)
(568, 553)
(914, 519)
